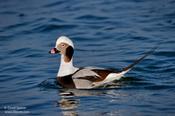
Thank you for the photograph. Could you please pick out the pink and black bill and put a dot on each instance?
(54, 51)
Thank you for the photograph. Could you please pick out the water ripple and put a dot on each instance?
(51, 27)
(166, 53)
(91, 17)
(54, 4)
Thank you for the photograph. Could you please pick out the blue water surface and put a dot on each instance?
(106, 33)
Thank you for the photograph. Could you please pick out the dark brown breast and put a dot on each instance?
(66, 81)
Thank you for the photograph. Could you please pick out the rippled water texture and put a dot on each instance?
(106, 33)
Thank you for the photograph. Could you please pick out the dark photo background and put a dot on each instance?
(106, 33)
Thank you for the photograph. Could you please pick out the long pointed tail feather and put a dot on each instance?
(129, 67)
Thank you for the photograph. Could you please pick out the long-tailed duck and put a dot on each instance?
(88, 77)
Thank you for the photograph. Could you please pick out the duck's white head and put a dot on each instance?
(64, 39)
(65, 47)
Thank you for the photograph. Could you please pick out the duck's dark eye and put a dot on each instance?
(62, 45)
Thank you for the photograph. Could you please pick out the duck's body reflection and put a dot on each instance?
(68, 106)
(70, 101)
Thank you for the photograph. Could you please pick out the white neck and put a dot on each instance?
(66, 68)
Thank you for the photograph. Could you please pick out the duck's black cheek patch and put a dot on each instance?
(69, 53)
